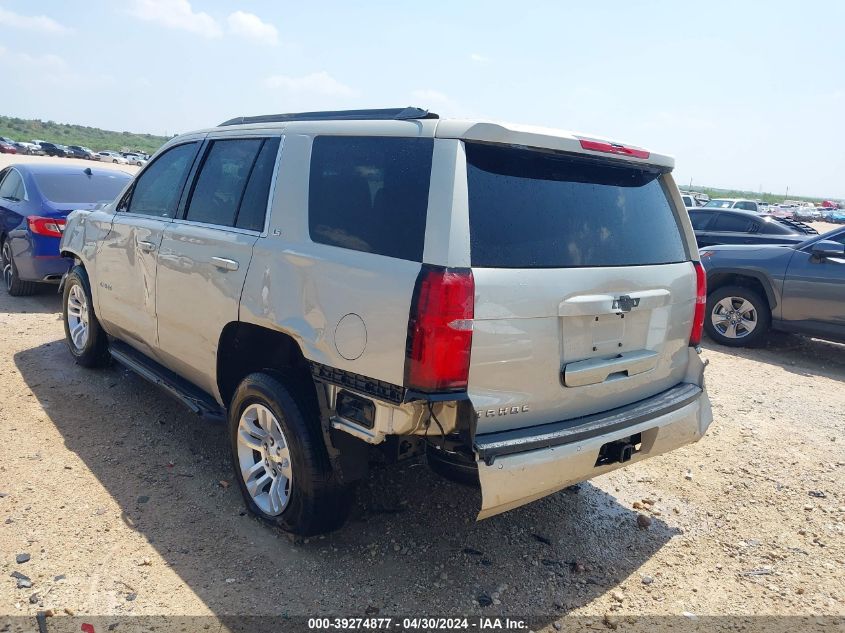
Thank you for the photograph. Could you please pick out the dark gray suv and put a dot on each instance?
(799, 288)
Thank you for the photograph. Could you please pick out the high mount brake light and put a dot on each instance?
(440, 330)
(613, 148)
(700, 305)
(49, 227)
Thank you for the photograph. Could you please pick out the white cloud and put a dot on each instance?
(478, 58)
(176, 14)
(47, 62)
(321, 83)
(252, 27)
(31, 22)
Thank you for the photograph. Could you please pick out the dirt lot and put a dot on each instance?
(122, 500)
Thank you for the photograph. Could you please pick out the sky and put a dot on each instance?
(745, 95)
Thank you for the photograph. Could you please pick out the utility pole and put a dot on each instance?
(690, 183)
(787, 192)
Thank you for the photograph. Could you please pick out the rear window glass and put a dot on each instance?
(537, 209)
(772, 226)
(81, 187)
(370, 194)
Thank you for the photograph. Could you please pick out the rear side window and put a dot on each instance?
(12, 187)
(536, 209)
(700, 219)
(233, 183)
(734, 223)
(158, 188)
(222, 180)
(370, 194)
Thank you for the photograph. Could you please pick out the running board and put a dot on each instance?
(187, 393)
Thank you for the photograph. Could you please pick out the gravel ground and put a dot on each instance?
(122, 501)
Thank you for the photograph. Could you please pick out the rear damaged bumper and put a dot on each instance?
(517, 467)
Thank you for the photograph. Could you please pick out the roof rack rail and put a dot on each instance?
(399, 114)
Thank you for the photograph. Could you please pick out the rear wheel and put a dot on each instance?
(85, 338)
(737, 316)
(280, 461)
(15, 286)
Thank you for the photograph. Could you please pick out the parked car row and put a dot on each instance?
(46, 148)
(829, 211)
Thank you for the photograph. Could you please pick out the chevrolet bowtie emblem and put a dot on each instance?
(625, 303)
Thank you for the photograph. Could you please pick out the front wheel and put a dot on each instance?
(280, 461)
(85, 338)
(737, 316)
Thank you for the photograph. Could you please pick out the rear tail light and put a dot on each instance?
(50, 227)
(700, 304)
(613, 148)
(440, 330)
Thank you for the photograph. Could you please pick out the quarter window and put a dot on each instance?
(222, 180)
(370, 194)
(157, 190)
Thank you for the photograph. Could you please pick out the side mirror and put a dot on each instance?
(828, 248)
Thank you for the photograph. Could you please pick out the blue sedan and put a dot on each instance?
(35, 200)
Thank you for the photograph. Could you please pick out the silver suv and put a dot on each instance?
(521, 305)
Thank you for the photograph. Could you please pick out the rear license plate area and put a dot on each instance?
(608, 332)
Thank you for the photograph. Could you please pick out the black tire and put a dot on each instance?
(761, 312)
(95, 351)
(317, 503)
(15, 286)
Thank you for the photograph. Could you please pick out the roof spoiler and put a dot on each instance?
(383, 114)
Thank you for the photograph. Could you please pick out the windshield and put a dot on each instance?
(721, 204)
(81, 188)
(836, 235)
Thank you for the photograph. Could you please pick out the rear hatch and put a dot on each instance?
(584, 286)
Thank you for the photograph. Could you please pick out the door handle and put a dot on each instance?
(147, 247)
(224, 264)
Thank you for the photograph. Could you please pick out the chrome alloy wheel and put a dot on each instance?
(77, 317)
(264, 459)
(734, 317)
